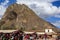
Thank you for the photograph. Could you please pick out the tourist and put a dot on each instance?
(31, 37)
(40, 38)
(20, 36)
(1, 35)
(27, 36)
(15, 38)
(12, 38)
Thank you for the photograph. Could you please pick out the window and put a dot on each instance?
(48, 30)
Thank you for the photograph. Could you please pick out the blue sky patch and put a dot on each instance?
(11, 2)
(1, 1)
(56, 3)
(52, 19)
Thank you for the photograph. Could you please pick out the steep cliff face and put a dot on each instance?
(19, 16)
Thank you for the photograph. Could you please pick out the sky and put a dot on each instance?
(49, 10)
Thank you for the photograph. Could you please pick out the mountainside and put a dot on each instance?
(19, 16)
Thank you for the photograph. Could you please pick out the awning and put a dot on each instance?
(7, 31)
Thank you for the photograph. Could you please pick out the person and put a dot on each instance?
(58, 38)
(12, 35)
(35, 35)
(20, 35)
(16, 38)
(40, 37)
(1, 35)
(27, 36)
(45, 37)
(7, 36)
(12, 38)
(31, 37)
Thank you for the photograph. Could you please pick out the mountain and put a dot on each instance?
(20, 16)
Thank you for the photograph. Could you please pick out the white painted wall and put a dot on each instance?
(48, 30)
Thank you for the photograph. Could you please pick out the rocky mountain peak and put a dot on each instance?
(20, 16)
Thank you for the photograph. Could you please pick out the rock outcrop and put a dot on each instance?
(19, 16)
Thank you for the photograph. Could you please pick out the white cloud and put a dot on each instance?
(57, 16)
(2, 10)
(50, 0)
(45, 8)
(57, 23)
(20, 1)
(41, 7)
(4, 3)
(2, 7)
